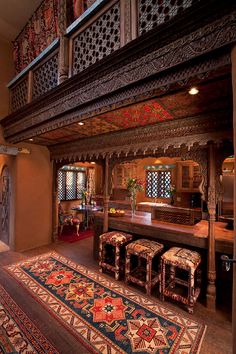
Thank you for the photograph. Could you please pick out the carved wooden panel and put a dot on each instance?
(153, 13)
(45, 76)
(19, 94)
(5, 205)
(98, 40)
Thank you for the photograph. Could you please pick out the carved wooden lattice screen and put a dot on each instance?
(71, 184)
(98, 40)
(153, 13)
(19, 95)
(45, 76)
(158, 184)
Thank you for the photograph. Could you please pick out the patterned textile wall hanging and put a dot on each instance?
(38, 33)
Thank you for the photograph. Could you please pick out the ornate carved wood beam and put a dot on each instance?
(158, 138)
(123, 75)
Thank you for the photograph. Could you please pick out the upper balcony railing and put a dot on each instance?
(102, 29)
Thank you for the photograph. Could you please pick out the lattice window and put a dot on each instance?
(97, 41)
(158, 184)
(45, 77)
(153, 13)
(71, 184)
(19, 94)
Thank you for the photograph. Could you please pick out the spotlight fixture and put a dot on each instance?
(193, 91)
(81, 123)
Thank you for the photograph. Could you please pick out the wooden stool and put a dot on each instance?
(147, 250)
(184, 259)
(116, 239)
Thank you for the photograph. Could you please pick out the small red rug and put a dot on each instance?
(69, 235)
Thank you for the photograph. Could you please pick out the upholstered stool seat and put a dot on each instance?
(116, 239)
(187, 260)
(143, 249)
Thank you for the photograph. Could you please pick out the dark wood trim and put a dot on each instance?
(148, 57)
(158, 231)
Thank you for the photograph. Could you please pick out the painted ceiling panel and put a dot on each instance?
(214, 95)
(148, 112)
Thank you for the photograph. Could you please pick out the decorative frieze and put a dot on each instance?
(99, 89)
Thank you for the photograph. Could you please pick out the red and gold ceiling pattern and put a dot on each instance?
(213, 96)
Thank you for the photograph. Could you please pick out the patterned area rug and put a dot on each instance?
(105, 316)
(18, 334)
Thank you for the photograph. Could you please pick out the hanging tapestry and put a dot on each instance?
(38, 34)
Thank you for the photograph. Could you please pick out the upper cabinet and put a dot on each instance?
(122, 172)
(188, 176)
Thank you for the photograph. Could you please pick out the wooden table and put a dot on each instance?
(186, 235)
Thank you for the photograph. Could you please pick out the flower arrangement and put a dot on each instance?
(172, 190)
(84, 195)
(134, 185)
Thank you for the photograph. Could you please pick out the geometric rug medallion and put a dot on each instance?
(18, 334)
(104, 315)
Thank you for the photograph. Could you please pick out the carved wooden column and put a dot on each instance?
(211, 288)
(233, 60)
(125, 22)
(54, 203)
(106, 194)
(63, 65)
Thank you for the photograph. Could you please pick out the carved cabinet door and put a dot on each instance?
(5, 206)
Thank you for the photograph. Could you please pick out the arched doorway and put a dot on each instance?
(5, 207)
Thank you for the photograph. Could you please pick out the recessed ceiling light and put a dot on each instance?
(193, 91)
(31, 139)
(81, 123)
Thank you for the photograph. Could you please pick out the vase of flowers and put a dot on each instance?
(134, 185)
(84, 194)
(172, 192)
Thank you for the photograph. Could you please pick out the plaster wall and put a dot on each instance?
(33, 198)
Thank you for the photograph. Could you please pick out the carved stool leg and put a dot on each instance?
(190, 291)
(172, 276)
(199, 277)
(117, 262)
(162, 282)
(101, 255)
(127, 267)
(148, 285)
